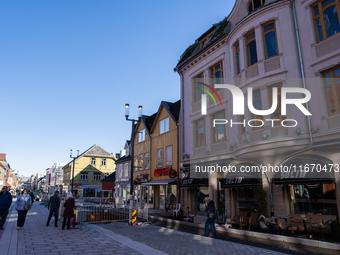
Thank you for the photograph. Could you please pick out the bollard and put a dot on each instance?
(74, 217)
(134, 217)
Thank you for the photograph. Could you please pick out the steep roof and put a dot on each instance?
(123, 159)
(110, 178)
(172, 108)
(93, 151)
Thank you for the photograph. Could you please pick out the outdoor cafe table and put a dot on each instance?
(285, 217)
(304, 222)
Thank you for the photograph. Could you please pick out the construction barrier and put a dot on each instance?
(97, 213)
(134, 217)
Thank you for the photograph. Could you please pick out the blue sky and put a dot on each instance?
(67, 68)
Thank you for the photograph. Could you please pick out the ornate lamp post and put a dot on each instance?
(74, 159)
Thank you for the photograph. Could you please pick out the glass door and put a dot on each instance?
(161, 197)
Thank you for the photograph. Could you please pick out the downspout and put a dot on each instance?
(178, 170)
(150, 153)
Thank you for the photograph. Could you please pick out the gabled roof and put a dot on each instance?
(93, 151)
(110, 178)
(172, 108)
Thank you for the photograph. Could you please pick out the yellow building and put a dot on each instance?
(90, 168)
(156, 157)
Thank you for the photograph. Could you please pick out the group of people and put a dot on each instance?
(24, 203)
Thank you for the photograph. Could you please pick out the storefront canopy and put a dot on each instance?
(194, 182)
(242, 179)
(160, 182)
(306, 169)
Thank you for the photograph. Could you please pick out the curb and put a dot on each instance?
(286, 239)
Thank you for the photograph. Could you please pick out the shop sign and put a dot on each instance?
(165, 171)
(233, 180)
(187, 181)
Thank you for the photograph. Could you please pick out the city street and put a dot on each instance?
(36, 238)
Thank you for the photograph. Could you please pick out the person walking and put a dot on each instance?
(5, 204)
(210, 206)
(21, 206)
(53, 206)
(68, 211)
(32, 196)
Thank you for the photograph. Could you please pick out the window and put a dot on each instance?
(160, 158)
(206, 40)
(126, 169)
(238, 58)
(198, 80)
(136, 163)
(141, 135)
(326, 19)
(103, 161)
(199, 133)
(141, 161)
(216, 74)
(96, 176)
(84, 176)
(331, 82)
(277, 113)
(251, 49)
(120, 171)
(164, 125)
(257, 103)
(219, 129)
(93, 161)
(254, 4)
(146, 161)
(270, 42)
(168, 155)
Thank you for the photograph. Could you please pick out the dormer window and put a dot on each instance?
(254, 4)
(206, 40)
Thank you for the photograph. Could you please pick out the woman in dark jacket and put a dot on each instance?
(68, 211)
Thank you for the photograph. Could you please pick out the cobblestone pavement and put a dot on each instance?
(36, 238)
(176, 242)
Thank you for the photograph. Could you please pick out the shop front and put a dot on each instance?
(144, 193)
(195, 190)
(239, 189)
(308, 191)
(163, 193)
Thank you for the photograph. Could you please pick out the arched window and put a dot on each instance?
(326, 19)
(254, 4)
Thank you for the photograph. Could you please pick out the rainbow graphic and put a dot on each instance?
(213, 90)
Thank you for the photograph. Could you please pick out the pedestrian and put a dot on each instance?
(68, 211)
(5, 204)
(22, 205)
(211, 214)
(32, 196)
(53, 206)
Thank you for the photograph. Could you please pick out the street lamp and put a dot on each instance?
(127, 110)
(74, 159)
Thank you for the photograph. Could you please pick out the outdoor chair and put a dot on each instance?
(322, 224)
(240, 219)
(283, 226)
(263, 225)
(253, 218)
(177, 210)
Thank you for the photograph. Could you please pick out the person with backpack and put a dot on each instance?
(211, 216)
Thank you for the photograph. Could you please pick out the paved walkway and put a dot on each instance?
(36, 238)
(115, 238)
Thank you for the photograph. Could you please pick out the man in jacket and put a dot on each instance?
(5, 204)
(53, 206)
(210, 206)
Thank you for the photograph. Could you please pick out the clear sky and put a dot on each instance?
(67, 68)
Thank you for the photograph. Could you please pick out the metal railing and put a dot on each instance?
(101, 213)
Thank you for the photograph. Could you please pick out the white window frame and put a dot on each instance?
(165, 123)
(141, 135)
(160, 150)
(84, 176)
(167, 162)
(126, 169)
(95, 175)
(93, 161)
(104, 161)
